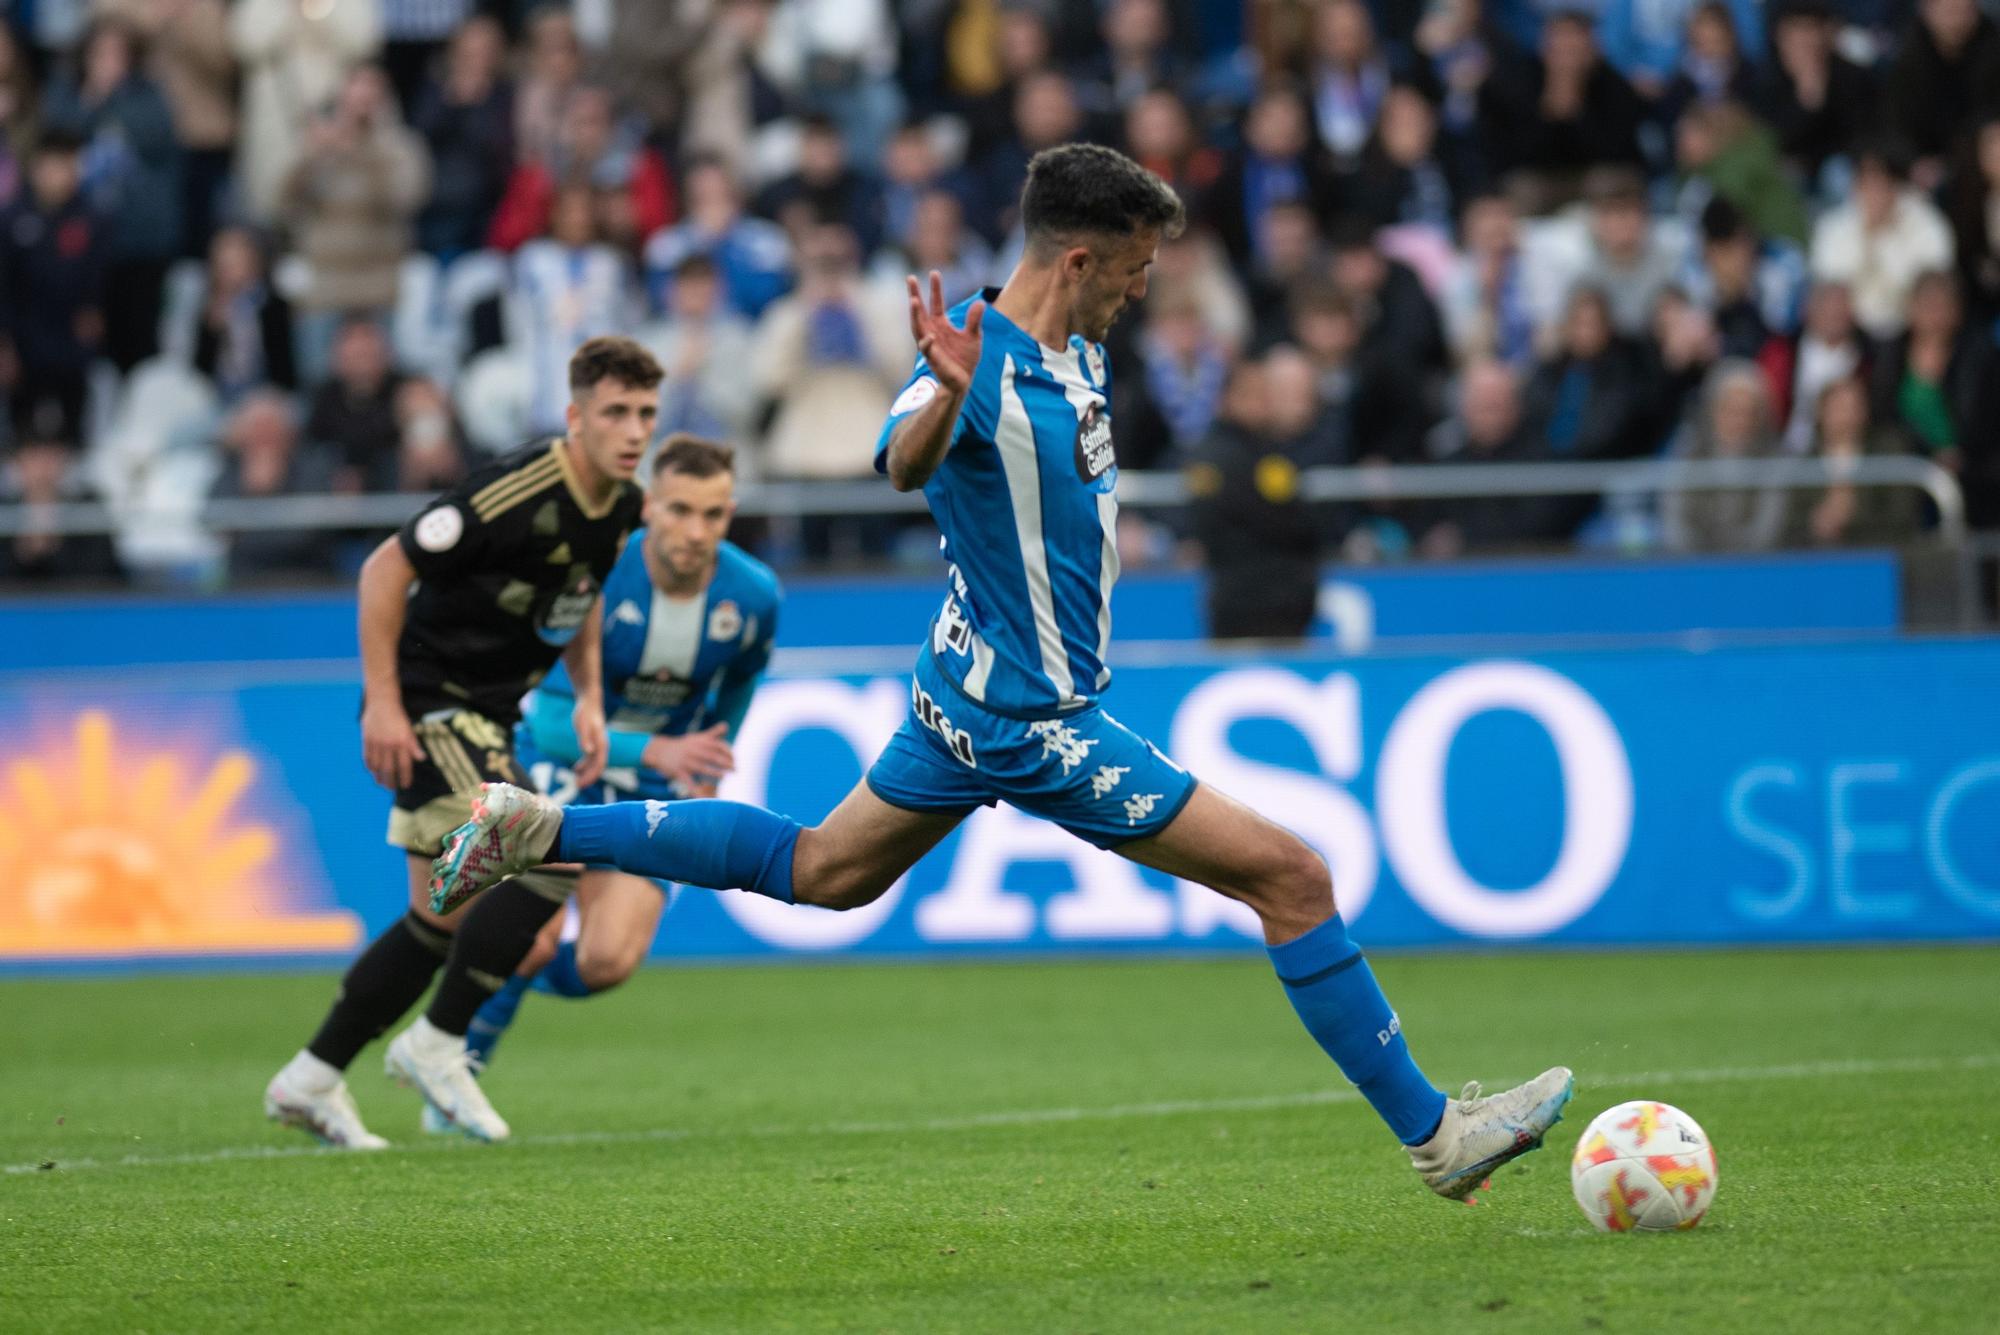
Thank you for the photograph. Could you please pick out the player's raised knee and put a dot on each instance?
(605, 967)
(1299, 884)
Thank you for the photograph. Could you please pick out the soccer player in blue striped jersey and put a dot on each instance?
(1005, 425)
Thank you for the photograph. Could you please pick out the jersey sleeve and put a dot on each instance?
(446, 537)
(917, 392)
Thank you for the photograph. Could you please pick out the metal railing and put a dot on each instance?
(1140, 490)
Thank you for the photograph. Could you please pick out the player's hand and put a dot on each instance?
(953, 353)
(389, 745)
(593, 745)
(699, 757)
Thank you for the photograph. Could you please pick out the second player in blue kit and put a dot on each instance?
(1005, 425)
(689, 619)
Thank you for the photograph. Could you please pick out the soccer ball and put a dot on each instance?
(1643, 1165)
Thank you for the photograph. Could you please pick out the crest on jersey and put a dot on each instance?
(921, 391)
(1093, 357)
(440, 530)
(1095, 458)
(725, 620)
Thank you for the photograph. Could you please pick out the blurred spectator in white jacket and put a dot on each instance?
(294, 57)
(1880, 240)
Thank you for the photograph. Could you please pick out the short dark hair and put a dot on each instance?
(1350, 231)
(1722, 221)
(1087, 189)
(61, 138)
(1614, 184)
(697, 264)
(689, 454)
(613, 358)
(1887, 151)
(1319, 298)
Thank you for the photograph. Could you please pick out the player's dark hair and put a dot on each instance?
(1080, 190)
(616, 359)
(693, 456)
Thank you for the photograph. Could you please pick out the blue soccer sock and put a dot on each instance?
(721, 845)
(493, 1018)
(1335, 994)
(560, 976)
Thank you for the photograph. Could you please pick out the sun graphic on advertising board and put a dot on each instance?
(107, 848)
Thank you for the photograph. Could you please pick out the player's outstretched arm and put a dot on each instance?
(389, 744)
(919, 442)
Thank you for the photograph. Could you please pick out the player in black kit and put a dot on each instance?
(462, 612)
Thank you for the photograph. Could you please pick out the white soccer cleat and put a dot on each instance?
(1478, 1134)
(510, 831)
(436, 1123)
(437, 1066)
(327, 1114)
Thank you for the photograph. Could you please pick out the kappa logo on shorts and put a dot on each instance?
(1060, 740)
(1107, 778)
(1139, 807)
(957, 739)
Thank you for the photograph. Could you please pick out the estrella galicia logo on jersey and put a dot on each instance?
(1095, 458)
(928, 714)
(725, 620)
(662, 691)
(569, 609)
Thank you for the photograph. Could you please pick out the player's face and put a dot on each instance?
(1111, 278)
(611, 424)
(686, 518)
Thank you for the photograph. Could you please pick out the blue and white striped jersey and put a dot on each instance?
(1026, 500)
(671, 665)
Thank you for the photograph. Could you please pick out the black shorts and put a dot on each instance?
(462, 749)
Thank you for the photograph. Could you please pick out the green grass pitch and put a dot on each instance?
(1107, 1146)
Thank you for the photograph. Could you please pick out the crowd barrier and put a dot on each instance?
(1517, 601)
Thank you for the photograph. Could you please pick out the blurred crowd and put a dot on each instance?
(292, 247)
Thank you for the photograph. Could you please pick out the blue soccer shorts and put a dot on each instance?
(1085, 771)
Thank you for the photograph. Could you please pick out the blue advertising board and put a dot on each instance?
(1782, 793)
(1830, 592)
